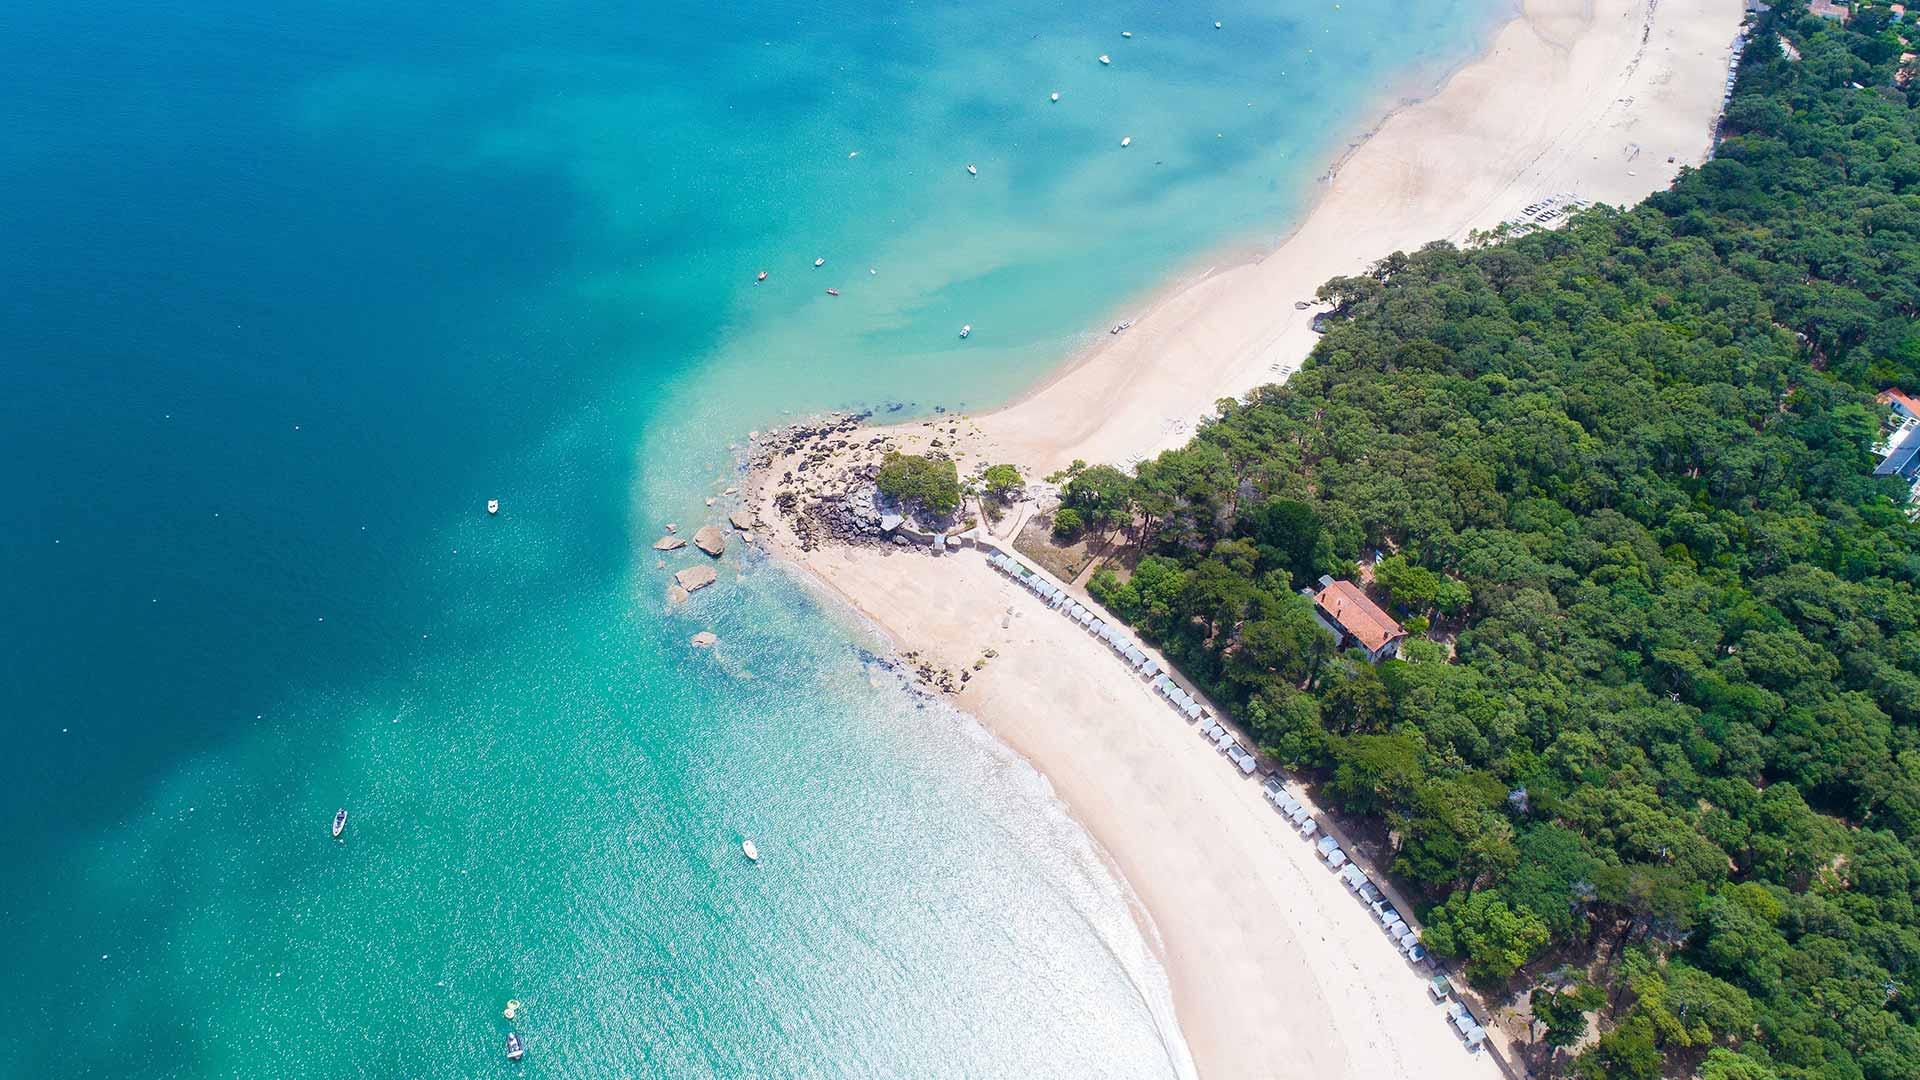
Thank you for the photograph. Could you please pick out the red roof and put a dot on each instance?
(1900, 397)
(1347, 605)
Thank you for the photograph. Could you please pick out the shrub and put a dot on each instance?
(933, 483)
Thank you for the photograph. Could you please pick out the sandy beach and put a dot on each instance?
(1276, 969)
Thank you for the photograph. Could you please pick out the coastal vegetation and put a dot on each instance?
(1650, 756)
(931, 483)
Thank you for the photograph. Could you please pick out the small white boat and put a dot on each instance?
(1055, 96)
(339, 823)
(1119, 326)
(760, 277)
(752, 853)
(967, 329)
(1216, 24)
(971, 171)
(1105, 59)
(1126, 140)
(493, 506)
(1126, 33)
(819, 262)
(515, 1048)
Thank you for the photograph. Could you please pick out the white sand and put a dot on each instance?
(1276, 969)
(1562, 100)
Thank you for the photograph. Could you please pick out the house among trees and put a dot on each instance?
(1900, 450)
(1357, 621)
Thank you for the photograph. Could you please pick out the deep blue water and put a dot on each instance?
(290, 291)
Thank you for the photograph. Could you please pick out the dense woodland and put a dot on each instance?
(1652, 750)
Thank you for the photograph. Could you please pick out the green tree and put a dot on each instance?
(1495, 940)
(920, 480)
(1067, 523)
(1001, 483)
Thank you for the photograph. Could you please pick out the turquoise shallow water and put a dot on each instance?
(292, 291)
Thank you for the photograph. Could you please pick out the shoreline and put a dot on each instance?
(1268, 958)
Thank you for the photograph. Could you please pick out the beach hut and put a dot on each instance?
(1161, 685)
(1395, 928)
(1098, 628)
(1085, 617)
(1272, 785)
(1223, 740)
(1326, 844)
(1352, 878)
(1193, 711)
(1337, 860)
(1151, 669)
(1440, 988)
(1369, 892)
(1299, 815)
(1247, 763)
(1286, 802)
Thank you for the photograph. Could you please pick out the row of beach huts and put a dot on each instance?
(1284, 801)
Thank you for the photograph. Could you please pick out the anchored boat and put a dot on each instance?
(493, 506)
(515, 1048)
(752, 852)
(967, 329)
(339, 823)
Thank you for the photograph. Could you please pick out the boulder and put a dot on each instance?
(710, 540)
(676, 595)
(695, 578)
(705, 639)
(742, 519)
(669, 543)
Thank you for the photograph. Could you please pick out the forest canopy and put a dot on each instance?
(1654, 728)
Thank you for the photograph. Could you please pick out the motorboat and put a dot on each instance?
(833, 292)
(515, 1048)
(1126, 33)
(1126, 140)
(339, 823)
(752, 852)
(493, 506)
(967, 329)
(817, 263)
(1105, 59)
(1055, 96)
(759, 277)
(971, 170)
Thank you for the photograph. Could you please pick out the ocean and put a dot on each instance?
(291, 291)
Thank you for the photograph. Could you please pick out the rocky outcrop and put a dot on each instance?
(711, 540)
(742, 520)
(669, 543)
(695, 578)
(705, 639)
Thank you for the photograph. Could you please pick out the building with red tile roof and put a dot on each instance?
(1903, 403)
(1356, 620)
